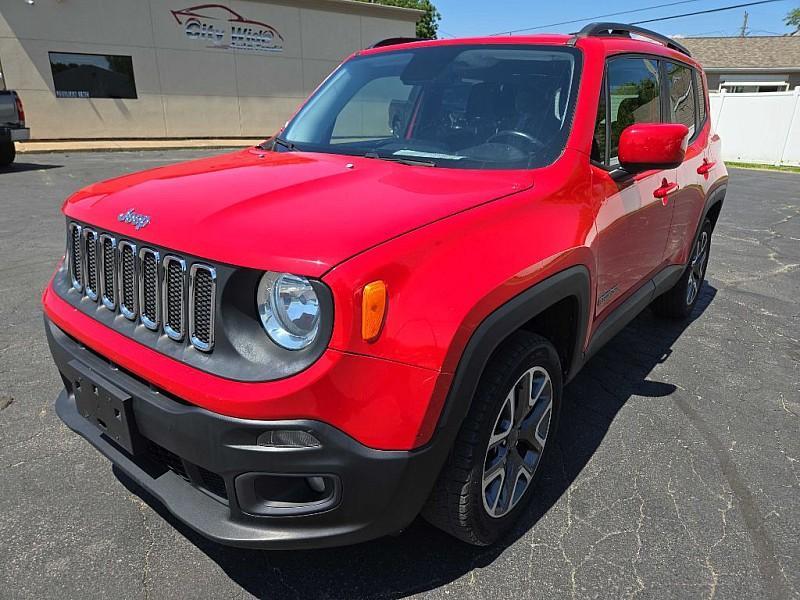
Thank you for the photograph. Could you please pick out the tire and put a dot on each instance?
(679, 301)
(469, 500)
(7, 153)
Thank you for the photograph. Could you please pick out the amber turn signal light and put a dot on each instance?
(373, 310)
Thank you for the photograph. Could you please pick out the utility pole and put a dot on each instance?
(743, 30)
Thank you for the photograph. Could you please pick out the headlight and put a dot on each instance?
(289, 309)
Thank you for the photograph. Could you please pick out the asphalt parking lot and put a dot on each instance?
(676, 474)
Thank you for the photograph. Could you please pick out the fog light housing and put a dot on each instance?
(268, 494)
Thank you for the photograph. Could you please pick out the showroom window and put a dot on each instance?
(92, 75)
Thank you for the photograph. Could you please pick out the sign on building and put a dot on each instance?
(220, 27)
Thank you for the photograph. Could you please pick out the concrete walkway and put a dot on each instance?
(154, 144)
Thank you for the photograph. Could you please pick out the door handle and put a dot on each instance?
(664, 191)
(705, 167)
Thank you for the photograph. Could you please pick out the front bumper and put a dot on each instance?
(192, 460)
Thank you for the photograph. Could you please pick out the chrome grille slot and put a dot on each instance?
(149, 301)
(202, 291)
(108, 271)
(90, 263)
(128, 283)
(75, 256)
(174, 297)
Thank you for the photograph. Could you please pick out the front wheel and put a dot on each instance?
(7, 153)
(678, 302)
(492, 470)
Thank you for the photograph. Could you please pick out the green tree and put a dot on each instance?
(792, 19)
(428, 24)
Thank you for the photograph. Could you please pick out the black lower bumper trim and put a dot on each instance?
(380, 491)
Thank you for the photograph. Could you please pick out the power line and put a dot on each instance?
(625, 12)
(705, 12)
(719, 32)
(614, 14)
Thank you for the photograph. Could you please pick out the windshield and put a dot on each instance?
(471, 107)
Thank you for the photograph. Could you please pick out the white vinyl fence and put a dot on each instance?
(759, 128)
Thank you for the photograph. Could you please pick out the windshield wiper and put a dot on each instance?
(403, 161)
(277, 141)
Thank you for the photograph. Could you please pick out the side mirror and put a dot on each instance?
(646, 146)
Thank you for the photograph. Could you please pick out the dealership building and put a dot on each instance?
(98, 69)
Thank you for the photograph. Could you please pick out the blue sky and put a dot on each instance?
(478, 17)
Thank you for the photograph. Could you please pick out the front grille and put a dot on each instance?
(128, 284)
(173, 300)
(90, 264)
(108, 271)
(149, 303)
(202, 290)
(143, 286)
(75, 256)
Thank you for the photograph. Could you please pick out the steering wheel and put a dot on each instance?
(514, 133)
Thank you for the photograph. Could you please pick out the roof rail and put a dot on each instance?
(623, 30)
(393, 41)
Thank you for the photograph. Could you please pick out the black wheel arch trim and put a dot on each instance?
(504, 321)
(714, 196)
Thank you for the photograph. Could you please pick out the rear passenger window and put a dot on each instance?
(681, 96)
(633, 92)
(701, 99)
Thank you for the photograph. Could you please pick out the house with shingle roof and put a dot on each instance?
(748, 64)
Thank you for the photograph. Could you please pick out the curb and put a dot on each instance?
(133, 146)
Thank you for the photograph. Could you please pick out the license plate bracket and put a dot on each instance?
(106, 406)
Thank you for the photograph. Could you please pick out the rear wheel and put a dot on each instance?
(678, 302)
(7, 153)
(492, 470)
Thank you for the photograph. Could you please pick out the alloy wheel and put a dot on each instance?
(697, 266)
(517, 442)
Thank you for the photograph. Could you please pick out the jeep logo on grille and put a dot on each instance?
(134, 218)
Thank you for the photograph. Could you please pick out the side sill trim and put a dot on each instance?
(628, 310)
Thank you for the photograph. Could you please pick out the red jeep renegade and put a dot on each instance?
(372, 315)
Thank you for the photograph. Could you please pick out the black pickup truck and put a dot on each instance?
(12, 126)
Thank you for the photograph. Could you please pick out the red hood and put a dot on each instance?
(290, 211)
